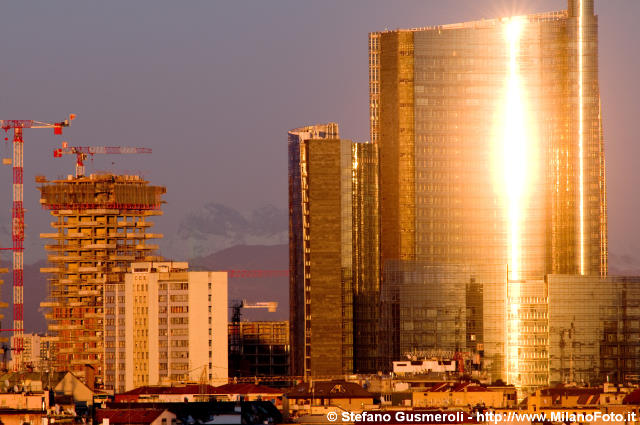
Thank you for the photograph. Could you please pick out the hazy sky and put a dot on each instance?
(213, 86)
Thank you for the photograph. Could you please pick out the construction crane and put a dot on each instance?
(17, 222)
(271, 306)
(83, 152)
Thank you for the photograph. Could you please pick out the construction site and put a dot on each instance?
(100, 227)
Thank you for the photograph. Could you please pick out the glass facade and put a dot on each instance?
(366, 257)
(527, 334)
(333, 252)
(447, 308)
(456, 229)
(491, 153)
(594, 329)
(440, 106)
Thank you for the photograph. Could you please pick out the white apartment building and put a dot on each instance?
(35, 352)
(165, 325)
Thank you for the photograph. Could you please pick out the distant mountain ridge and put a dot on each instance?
(215, 227)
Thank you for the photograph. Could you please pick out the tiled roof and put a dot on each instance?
(569, 391)
(128, 416)
(14, 378)
(245, 389)
(588, 398)
(330, 389)
(632, 398)
(458, 387)
(208, 389)
(181, 389)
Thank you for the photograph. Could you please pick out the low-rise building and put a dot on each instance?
(136, 417)
(166, 394)
(241, 412)
(21, 416)
(36, 401)
(411, 367)
(249, 392)
(462, 395)
(345, 395)
(573, 397)
(32, 353)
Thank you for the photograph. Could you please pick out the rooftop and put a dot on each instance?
(330, 389)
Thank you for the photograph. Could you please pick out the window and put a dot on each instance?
(180, 309)
(179, 285)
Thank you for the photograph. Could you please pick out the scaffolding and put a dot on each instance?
(100, 227)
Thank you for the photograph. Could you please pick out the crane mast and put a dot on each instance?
(17, 224)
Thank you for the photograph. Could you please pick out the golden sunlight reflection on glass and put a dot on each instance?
(515, 146)
(514, 139)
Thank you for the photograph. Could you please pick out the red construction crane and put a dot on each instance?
(17, 223)
(83, 152)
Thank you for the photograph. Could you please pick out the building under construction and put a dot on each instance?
(100, 228)
(262, 348)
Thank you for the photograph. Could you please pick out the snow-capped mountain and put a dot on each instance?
(215, 227)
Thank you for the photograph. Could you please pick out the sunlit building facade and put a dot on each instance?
(490, 141)
(426, 307)
(101, 224)
(320, 252)
(491, 155)
(165, 325)
(366, 257)
(334, 252)
(594, 331)
(573, 329)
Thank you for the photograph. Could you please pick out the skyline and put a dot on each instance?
(120, 107)
(477, 221)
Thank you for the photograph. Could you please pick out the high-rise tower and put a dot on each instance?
(491, 146)
(100, 225)
(333, 252)
(320, 252)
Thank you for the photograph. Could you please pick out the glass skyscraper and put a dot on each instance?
(333, 248)
(472, 219)
(490, 140)
(492, 182)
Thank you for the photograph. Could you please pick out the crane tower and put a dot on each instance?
(17, 223)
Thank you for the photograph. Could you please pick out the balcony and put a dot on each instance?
(143, 246)
(50, 270)
(99, 246)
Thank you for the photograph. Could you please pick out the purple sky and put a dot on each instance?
(212, 87)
